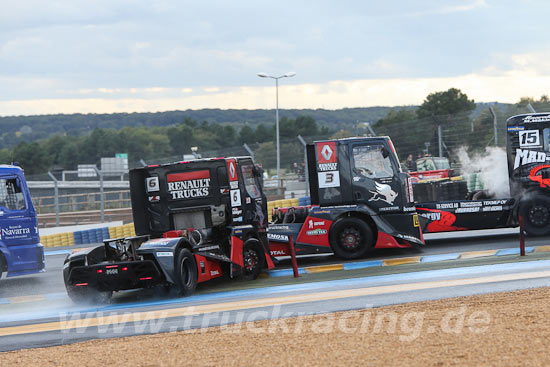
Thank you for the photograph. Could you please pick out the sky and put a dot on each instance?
(104, 56)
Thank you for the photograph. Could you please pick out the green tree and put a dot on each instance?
(450, 102)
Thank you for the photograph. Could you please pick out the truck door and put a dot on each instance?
(253, 203)
(18, 225)
(375, 177)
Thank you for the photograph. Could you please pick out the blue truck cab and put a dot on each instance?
(20, 249)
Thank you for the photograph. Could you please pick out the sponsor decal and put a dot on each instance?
(164, 254)
(327, 159)
(496, 208)
(235, 197)
(278, 226)
(277, 237)
(237, 219)
(469, 204)
(214, 272)
(529, 138)
(446, 206)
(495, 202)
(444, 222)
(524, 156)
(112, 271)
(232, 170)
(316, 232)
(209, 248)
(409, 209)
(189, 185)
(152, 184)
(515, 128)
(389, 209)
(277, 253)
(407, 237)
(431, 215)
(15, 232)
(159, 241)
(536, 175)
(543, 118)
(154, 198)
(234, 184)
(384, 193)
(236, 211)
(224, 191)
(311, 223)
(415, 220)
(468, 210)
(322, 211)
(247, 200)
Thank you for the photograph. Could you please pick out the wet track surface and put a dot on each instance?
(238, 299)
(52, 280)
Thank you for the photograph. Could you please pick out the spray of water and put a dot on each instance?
(491, 167)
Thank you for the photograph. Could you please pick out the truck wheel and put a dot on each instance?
(351, 238)
(252, 259)
(536, 215)
(186, 272)
(80, 295)
(2, 265)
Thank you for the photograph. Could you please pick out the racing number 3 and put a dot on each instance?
(329, 177)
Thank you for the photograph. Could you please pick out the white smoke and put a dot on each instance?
(491, 167)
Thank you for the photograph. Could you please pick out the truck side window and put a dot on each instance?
(369, 162)
(546, 138)
(250, 181)
(11, 196)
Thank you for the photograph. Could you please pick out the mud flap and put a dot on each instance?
(237, 263)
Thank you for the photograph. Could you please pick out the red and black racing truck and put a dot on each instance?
(442, 205)
(361, 199)
(194, 221)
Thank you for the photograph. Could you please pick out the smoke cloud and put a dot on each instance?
(490, 166)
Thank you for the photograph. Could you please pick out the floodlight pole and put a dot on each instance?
(101, 194)
(305, 160)
(287, 75)
(56, 192)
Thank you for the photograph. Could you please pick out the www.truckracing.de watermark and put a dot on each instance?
(408, 325)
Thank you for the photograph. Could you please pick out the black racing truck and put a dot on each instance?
(194, 221)
(361, 199)
(449, 205)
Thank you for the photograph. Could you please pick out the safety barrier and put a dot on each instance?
(96, 235)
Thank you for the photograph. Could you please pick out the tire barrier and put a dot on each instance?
(284, 203)
(90, 236)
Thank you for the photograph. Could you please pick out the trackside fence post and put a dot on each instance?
(521, 237)
(293, 256)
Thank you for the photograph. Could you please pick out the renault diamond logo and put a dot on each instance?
(326, 152)
(232, 169)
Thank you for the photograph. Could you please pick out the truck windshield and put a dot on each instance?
(11, 196)
(369, 161)
(250, 181)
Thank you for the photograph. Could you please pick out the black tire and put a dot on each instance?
(253, 259)
(351, 238)
(186, 273)
(2, 265)
(536, 215)
(82, 295)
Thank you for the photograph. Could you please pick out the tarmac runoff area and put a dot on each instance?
(507, 328)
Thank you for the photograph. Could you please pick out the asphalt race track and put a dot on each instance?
(52, 319)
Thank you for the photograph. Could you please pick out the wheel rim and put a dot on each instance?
(251, 260)
(185, 272)
(538, 215)
(350, 239)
